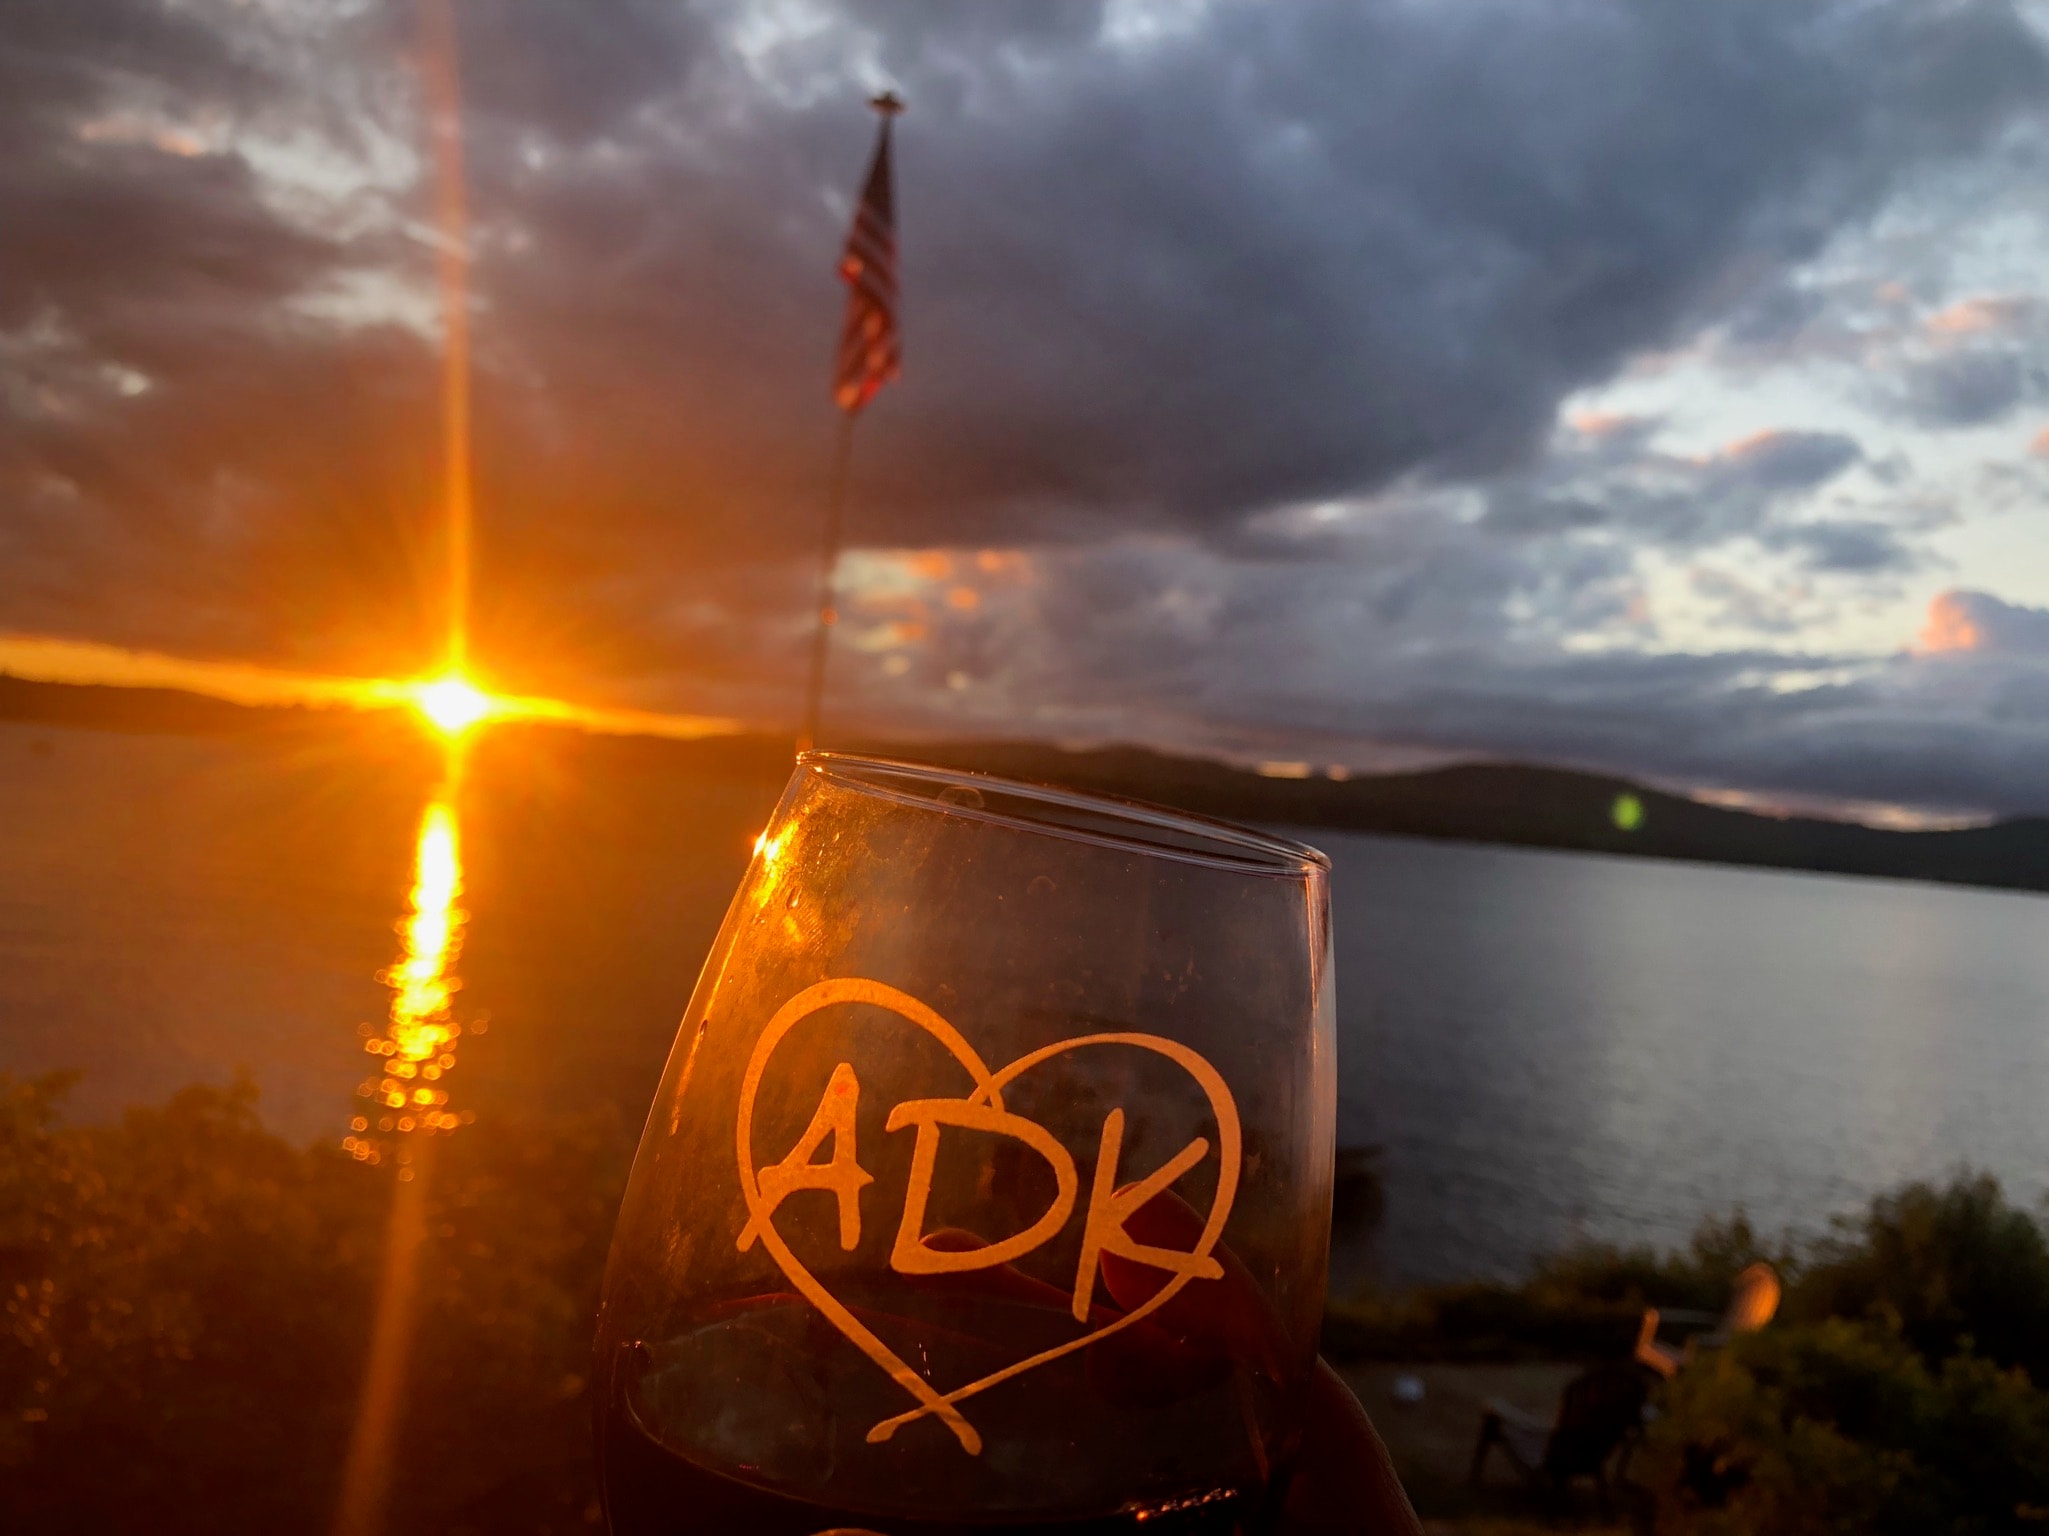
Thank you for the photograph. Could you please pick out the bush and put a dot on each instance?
(1952, 1266)
(1844, 1426)
(1585, 1302)
(1899, 1393)
(1699, 1277)
(187, 1303)
(187, 1308)
(1476, 1322)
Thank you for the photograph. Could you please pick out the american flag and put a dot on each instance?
(869, 355)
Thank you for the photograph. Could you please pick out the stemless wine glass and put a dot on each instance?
(988, 1184)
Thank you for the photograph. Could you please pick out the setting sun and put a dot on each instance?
(452, 704)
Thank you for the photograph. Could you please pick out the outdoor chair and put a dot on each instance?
(1600, 1413)
(1752, 1303)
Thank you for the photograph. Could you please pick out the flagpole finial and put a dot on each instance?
(889, 104)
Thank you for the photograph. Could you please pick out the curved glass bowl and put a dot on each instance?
(989, 1179)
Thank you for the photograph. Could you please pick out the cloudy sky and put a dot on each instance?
(1660, 388)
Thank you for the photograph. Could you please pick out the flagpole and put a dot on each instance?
(828, 570)
(867, 360)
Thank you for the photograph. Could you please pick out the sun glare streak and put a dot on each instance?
(418, 1044)
(442, 88)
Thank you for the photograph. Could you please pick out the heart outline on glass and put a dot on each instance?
(988, 1090)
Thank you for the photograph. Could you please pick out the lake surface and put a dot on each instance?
(1555, 1045)
(1548, 1046)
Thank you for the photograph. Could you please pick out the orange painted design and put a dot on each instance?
(843, 1176)
(1110, 1208)
(912, 1255)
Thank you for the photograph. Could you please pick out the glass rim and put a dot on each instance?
(1133, 825)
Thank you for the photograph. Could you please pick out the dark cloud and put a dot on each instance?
(1894, 732)
(541, 71)
(1774, 462)
(1519, 510)
(1292, 254)
(1740, 605)
(1251, 659)
(1969, 389)
(1167, 293)
(1287, 254)
(61, 57)
(1857, 545)
(1626, 483)
(1773, 318)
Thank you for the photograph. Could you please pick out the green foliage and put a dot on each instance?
(1950, 1265)
(187, 1302)
(1898, 1393)
(1584, 1302)
(1697, 1277)
(498, 1434)
(1901, 1390)
(1477, 1321)
(187, 1308)
(1842, 1426)
(172, 1285)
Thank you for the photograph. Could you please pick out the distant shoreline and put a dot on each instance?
(1506, 803)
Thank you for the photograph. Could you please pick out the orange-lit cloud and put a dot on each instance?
(42, 658)
(1752, 445)
(1949, 626)
(1011, 564)
(891, 581)
(1779, 461)
(1870, 813)
(1975, 317)
(1599, 423)
(899, 632)
(2038, 445)
(178, 139)
(46, 659)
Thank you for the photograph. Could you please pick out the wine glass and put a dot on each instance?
(988, 1184)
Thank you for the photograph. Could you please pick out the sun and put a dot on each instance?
(452, 704)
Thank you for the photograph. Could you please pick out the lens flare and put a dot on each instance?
(418, 1044)
(452, 704)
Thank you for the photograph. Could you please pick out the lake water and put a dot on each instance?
(1548, 1046)
(1555, 1045)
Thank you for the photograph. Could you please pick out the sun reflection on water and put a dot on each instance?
(417, 1045)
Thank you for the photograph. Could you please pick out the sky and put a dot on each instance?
(1660, 389)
